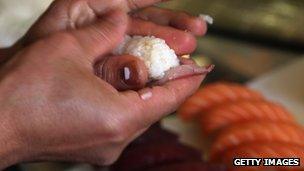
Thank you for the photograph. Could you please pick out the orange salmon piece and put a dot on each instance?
(213, 95)
(244, 111)
(258, 132)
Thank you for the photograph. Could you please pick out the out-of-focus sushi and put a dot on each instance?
(244, 111)
(258, 132)
(214, 95)
(243, 124)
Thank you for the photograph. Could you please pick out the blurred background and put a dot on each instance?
(249, 40)
(249, 37)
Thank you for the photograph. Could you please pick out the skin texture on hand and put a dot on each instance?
(56, 107)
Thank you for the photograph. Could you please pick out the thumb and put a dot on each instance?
(102, 36)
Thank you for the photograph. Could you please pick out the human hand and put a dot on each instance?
(166, 24)
(53, 107)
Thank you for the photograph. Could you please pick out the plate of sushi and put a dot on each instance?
(263, 119)
(226, 120)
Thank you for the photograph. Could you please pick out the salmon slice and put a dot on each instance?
(264, 150)
(244, 111)
(213, 95)
(258, 132)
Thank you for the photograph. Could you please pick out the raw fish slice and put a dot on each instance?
(213, 95)
(245, 111)
(259, 133)
(183, 71)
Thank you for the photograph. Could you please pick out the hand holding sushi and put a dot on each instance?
(176, 29)
(53, 106)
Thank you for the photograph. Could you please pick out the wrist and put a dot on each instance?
(11, 150)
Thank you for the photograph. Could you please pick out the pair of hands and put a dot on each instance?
(53, 107)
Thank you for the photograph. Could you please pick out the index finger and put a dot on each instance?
(159, 101)
(137, 4)
(100, 6)
(63, 15)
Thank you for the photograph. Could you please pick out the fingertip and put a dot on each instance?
(196, 26)
(184, 44)
(199, 27)
(185, 21)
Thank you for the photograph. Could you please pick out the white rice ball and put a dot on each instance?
(156, 54)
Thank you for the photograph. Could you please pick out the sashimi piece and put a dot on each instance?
(264, 150)
(190, 166)
(147, 156)
(258, 132)
(213, 95)
(183, 71)
(245, 111)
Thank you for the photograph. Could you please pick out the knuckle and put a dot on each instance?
(65, 39)
(118, 134)
(65, 42)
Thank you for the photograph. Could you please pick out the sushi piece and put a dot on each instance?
(264, 150)
(161, 61)
(244, 111)
(156, 54)
(214, 95)
(259, 133)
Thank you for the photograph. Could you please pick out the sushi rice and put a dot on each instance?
(156, 54)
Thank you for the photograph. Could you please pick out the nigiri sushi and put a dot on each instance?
(243, 111)
(257, 132)
(213, 95)
(161, 61)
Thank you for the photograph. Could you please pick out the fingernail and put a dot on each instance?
(210, 68)
(129, 74)
(185, 56)
(206, 18)
(146, 95)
